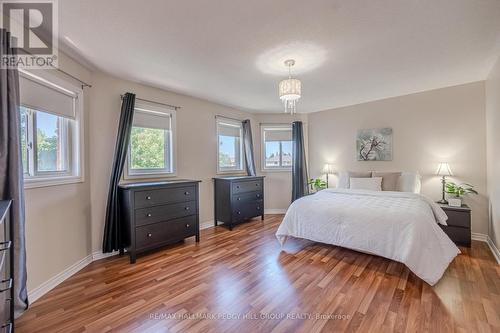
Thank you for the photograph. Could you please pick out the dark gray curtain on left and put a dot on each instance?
(248, 147)
(299, 167)
(11, 169)
(114, 238)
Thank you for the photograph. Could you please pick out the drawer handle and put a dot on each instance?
(186, 208)
(256, 184)
(187, 225)
(148, 198)
(237, 186)
(9, 285)
(258, 208)
(239, 213)
(257, 195)
(238, 199)
(186, 193)
(148, 214)
(150, 234)
(5, 245)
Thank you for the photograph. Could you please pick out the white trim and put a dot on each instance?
(263, 129)
(275, 211)
(98, 255)
(77, 126)
(486, 238)
(207, 224)
(235, 123)
(54, 281)
(479, 237)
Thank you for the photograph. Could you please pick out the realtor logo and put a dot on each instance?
(33, 26)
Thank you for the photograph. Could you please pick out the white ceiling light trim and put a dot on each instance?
(290, 90)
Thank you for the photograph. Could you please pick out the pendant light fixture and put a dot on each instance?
(290, 90)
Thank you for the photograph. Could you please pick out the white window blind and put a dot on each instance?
(228, 129)
(277, 134)
(152, 120)
(46, 97)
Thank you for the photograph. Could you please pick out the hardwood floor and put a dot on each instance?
(240, 281)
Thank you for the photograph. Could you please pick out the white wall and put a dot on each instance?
(440, 125)
(493, 147)
(58, 217)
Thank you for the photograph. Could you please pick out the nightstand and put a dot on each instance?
(458, 228)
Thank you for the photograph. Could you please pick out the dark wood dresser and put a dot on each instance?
(459, 221)
(6, 269)
(237, 199)
(159, 213)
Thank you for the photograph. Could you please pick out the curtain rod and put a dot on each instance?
(150, 101)
(83, 83)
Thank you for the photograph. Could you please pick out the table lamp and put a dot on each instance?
(443, 171)
(328, 169)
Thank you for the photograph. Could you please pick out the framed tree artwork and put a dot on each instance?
(374, 144)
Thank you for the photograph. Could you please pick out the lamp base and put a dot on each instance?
(443, 202)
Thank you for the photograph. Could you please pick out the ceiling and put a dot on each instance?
(232, 51)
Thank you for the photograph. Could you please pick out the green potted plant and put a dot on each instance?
(316, 184)
(457, 191)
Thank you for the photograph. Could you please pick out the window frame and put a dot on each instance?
(235, 123)
(263, 129)
(74, 133)
(171, 159)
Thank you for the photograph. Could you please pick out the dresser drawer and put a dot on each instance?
(247, 197)
(150, 198)
(458, 235)
(164, 232)
(156, 214)
(458, 218)
(247, 210)
(247, 186)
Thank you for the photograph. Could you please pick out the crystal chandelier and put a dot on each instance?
(290, 90)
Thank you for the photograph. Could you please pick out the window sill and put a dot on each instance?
(289, 170)
(231, 172)
(46, 182)
(148, 176)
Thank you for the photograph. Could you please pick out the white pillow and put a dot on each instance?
(371, 184)
(409, 182)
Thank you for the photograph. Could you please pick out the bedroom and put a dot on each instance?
(423, 76)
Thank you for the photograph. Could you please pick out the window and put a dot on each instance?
(276, 147)
(151, 149)
(50, 131)
(230, 145)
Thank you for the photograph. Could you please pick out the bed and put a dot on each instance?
(400, 226)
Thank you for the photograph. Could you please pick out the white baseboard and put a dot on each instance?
(99, 255)
(50, 284)
(275, 211)
(207, 224)
(489, 241)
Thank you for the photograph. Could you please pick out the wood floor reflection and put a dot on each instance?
(241, 281)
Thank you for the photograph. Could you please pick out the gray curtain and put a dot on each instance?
(11, 169)
(248, 147)
(299, 168)
(114, 233)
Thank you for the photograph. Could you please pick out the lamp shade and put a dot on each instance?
(328, 168)
(444, 169)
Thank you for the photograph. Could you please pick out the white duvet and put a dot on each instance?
(397, 225)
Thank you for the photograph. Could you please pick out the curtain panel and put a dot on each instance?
(248, 147)
(114, 234)
(299, 167)
(11, 169)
